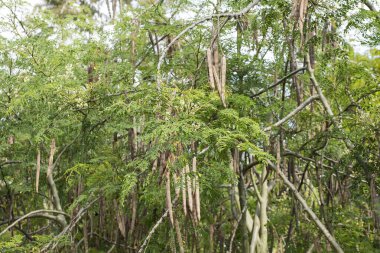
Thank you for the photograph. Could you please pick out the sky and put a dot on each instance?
(29, 7)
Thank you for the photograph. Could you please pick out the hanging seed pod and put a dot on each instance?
(223, 80)
(38, 168)
(210, 72)
(189, 189)
(183, 188)
(196, 193)
(168, 197)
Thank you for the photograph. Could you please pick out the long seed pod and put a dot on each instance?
(38, 168)
(176, 184)
(196, 185)
(183, 187)
(278, 154)
(134, 211)
(168, 196)
(154, 166)
(120, 218)
(223, 80)
(189, 189)
(51, 158)
(210, 72)
(216, 57)
(218, 84)
(179, 236)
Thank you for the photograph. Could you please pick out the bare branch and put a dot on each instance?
(278, 82)
(36, 213)
(313, 216)
(9, 162)
(318, 88)
(236, 227)
(369, 5)
(294, 112)
(51, 245)
(291, 153)
(145, 243)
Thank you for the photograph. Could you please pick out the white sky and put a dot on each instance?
(28, 8)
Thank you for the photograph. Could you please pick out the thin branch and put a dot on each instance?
(236, 227)
(318, 88)
(294, 112)
(313, 216)
(146, 241)
(278, 82)
(36, 213)
(51, 245)
(9, 162)
(258, 194)
(63, 150)
(291, 153)
(250, 166)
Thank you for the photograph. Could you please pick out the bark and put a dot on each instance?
(370, 5)
(211, 236)
(85, 235)
(293, 67)
(134, 213)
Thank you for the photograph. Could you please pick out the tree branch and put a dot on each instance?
(294, 112)
(313, 216)
(369, 5)
(145, 243)
(9, 162)
(51, 245)
(37, 213)
(278, 82)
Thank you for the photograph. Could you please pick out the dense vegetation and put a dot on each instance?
(189, 126)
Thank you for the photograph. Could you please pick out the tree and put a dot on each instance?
(250, 127)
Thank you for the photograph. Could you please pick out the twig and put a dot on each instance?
(51, 245)
(312, 215)
(294, 112)
(9, 162)
(36, 213)
(278, 82)
(236, 227)
(145, 243)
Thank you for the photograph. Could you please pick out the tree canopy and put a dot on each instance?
(190, 126)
